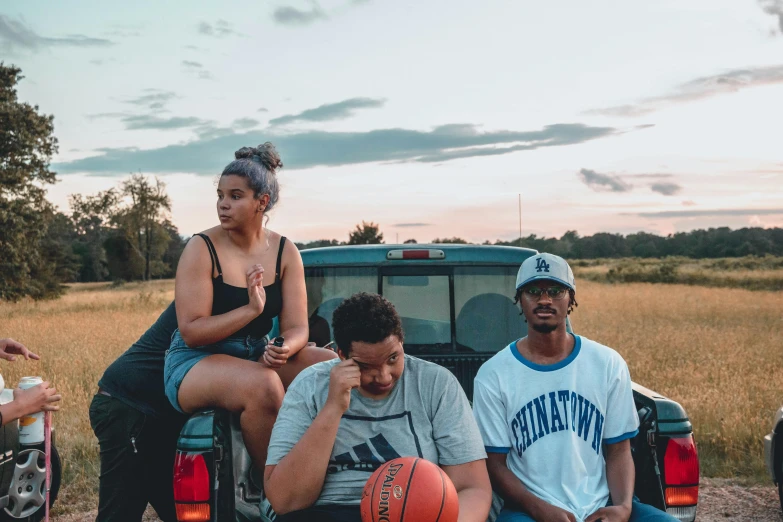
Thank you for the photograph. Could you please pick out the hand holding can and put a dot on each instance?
(33, 397)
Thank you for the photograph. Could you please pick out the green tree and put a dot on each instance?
(27, 144)
(144, 220)
(366, 234)
(318, 243)
(92, 219)
(450, 240)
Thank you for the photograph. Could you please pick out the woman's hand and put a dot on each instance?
(255, 288)
(9, 348)
(276, 356)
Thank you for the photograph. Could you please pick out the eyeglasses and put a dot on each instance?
(554, 292)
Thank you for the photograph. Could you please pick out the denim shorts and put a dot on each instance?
(180, 358)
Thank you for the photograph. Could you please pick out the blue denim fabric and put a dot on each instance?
(180, 358)
(639, 513)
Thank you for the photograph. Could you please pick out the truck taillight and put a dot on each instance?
(681, 477)
(191, 487)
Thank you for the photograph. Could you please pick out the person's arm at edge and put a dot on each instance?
(513, 492)
(293, 317)
(193, 295)
(473, 489)
(29, 401)
(620, 474)
(306, 464)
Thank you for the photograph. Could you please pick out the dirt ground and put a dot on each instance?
(720, 500)
(723, 499)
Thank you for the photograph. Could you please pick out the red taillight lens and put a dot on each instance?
(681, 472)
(191, 478)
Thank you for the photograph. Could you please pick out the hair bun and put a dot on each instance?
(266, 154)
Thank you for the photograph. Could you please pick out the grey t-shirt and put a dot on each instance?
(426, 415)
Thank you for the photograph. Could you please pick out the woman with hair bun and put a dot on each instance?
(231, 283)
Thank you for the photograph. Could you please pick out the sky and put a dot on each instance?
(431, 119)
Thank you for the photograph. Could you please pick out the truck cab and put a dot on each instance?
(457, 310)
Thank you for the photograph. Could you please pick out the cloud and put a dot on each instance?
(263, 109)
(603, 182)
(197, 69)
(103, 61)
(14, 34)
(774, 8)
(330, 111)
(145, 121)
(667, 189)
(698, 89)
(412, 225)
(711, 213)
(150, 121)
(153, 99)
(656, 175)
(291, 16)
(219, 29)
(245, 123)
(207, 154)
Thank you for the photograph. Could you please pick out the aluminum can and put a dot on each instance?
(31, 427)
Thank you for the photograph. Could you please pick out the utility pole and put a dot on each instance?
(520, 219)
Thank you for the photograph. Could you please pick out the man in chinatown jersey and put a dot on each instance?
(556, 413)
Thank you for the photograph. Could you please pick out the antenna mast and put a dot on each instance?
(520, 219)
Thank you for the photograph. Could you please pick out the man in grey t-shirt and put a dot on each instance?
(341, 420)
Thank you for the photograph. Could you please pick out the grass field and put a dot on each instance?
(750, 273)
(717, 351)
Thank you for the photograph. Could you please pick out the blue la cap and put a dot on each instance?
(547, 267)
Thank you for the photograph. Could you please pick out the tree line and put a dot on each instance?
(711, 243)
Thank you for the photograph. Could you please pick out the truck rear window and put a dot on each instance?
(443, 310)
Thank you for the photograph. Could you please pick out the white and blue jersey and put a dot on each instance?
(552, 420)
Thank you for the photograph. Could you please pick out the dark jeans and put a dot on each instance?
(137, 461)
(323, 514)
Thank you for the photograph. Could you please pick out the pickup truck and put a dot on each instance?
(456, 310)
(23, 472)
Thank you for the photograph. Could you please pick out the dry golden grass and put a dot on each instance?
(716, 351)
(751, 273)
(77, 337)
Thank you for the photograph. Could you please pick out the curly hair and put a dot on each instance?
(259, 165)
(571, 299)
(365, 317)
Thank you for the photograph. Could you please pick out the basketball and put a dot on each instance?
(409, 489)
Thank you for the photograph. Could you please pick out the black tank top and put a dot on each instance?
(226, 297)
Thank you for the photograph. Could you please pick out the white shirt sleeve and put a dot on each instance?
(622, 420)
(489, 411)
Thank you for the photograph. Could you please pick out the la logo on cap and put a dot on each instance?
(541, 265)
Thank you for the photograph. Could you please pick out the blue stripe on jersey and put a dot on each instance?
(624, 436)
(495, 449)
(548, 367)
